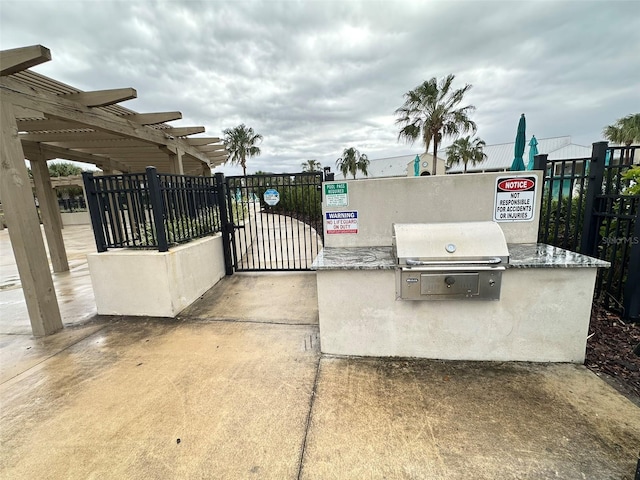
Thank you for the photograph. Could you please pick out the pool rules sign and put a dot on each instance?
(515, 199)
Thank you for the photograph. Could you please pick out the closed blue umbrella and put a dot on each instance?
(533, 151)
(416, 166)
(518, 163)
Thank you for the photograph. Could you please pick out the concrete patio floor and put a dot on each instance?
(236, 387)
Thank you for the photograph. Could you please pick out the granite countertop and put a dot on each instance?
(521, 255)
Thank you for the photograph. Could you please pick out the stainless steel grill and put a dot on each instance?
(447, 261)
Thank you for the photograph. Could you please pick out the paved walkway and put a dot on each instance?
(237, 388)
(270, 241)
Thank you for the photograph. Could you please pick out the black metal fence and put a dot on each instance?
(278, 220)
(72, 204)
(151, 210)
(588, 206)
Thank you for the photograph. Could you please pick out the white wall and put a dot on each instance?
(441, 198)
(75, 218)
(151, 283)
(542, 316)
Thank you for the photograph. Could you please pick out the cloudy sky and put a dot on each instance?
(315, 77)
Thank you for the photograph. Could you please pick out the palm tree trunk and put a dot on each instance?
(435, 155)
(465, 167)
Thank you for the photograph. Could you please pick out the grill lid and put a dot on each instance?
(449, 243)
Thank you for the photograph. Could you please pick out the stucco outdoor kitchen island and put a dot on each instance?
(542, 315)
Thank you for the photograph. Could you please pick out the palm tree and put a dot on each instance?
(625, 131)
(241, 142)
(352, 161)
(63, 169)
(430, 112)
(466, 150)
(311, 166)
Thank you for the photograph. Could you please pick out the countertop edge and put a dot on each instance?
(522, 256)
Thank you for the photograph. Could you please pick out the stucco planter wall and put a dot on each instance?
(75, 218)
(151, 283)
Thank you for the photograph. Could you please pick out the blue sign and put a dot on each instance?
(271, 197)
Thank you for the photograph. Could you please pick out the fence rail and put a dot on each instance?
(588, 207)
(73, 204)
(151, 210)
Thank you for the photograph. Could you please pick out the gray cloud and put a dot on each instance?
(316, 77)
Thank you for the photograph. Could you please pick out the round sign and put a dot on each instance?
(271, 197)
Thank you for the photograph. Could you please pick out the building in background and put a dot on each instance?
(499, 159)
(400, 166)
(500, 156)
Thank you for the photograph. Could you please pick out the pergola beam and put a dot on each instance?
(198, 141)
(27, 114)
(73, 155)
(15, 60)
(47, 124)
(182, 131)
(153, 118)
(69, 136)
(215, 155)
(212, 148)
(13, 91)
(111, 144)
(102, 98)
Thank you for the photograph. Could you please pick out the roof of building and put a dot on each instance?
(392, 166)
(500, 156)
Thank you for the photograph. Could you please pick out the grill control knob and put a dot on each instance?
(449, 281)
(492, 282)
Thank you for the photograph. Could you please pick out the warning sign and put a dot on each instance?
(336, 194)
(515, 199)
(341, 222)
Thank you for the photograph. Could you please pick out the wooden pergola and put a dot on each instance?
(43, 119)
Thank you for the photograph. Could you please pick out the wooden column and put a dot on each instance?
(175, 162)
(50, 214)
(24, 230)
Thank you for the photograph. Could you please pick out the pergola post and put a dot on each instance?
(50, 214)
(176, 164)
(24, 230)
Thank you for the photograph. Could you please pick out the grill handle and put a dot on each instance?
(484, 261)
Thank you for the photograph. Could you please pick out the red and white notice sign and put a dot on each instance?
(515, 199)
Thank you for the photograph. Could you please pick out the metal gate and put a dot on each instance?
(274, 221)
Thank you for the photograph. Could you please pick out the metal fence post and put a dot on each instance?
(94, 211)
(155, 198)
(226, 226)
(540, 162)
(631, 295)
(588, 244)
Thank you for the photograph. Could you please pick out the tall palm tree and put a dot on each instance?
(311, 166)
(241, 142)
(625, 131)
(466, 150)
(352, 161)
(431, 112)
